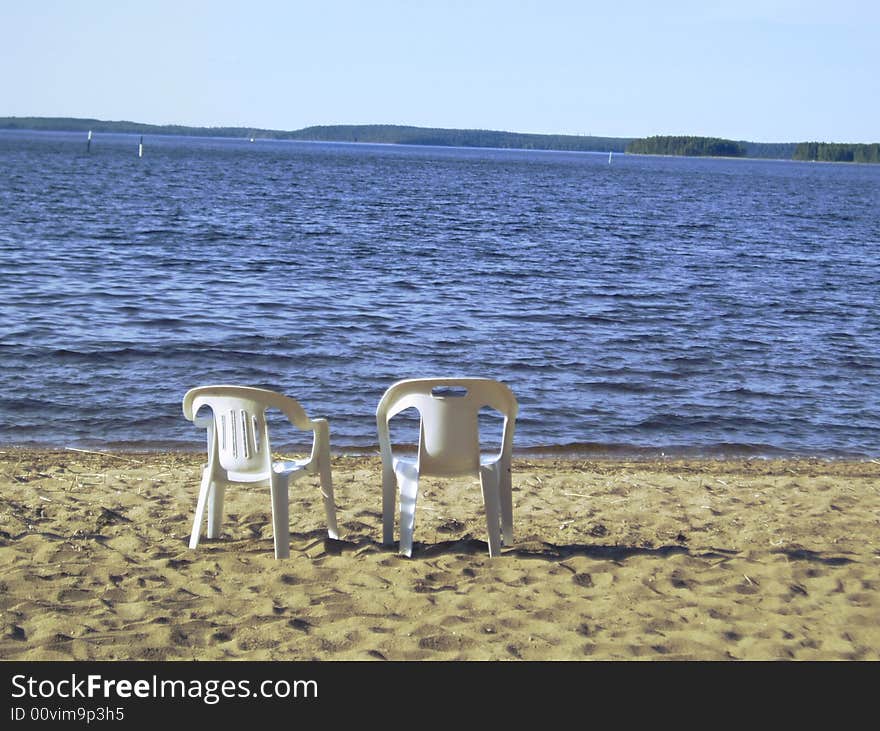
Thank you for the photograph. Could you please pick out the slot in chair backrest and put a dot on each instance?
(449, 442)
(240, 441)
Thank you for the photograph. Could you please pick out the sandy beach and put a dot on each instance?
(614, 559)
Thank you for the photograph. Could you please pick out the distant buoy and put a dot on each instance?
(89, 141)
(141, 147)
(610, 153)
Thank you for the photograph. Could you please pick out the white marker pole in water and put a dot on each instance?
(141, 147)
(89, 141)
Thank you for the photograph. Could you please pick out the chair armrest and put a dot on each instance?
(204, 422)
(321, 439)
(505, 456)
(401, 396)
(384, 435)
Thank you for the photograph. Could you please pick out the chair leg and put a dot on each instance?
(409, 490)
(327, 494)
(389, 499)
(215, 509)
(505, 491)
(280, 515)
(204, 489)
(489, 484)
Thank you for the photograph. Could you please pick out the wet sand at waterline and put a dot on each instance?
(613, 559)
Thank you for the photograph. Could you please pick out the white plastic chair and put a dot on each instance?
(449, 446)
(239, 451)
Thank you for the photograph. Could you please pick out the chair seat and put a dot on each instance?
(233, 476)
(288, 466)
(408, 466)
(280, 468)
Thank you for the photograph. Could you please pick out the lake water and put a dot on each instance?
(668, 304)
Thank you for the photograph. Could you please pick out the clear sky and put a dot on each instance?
(759, 70)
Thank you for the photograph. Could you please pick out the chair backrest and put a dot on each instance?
(449, 439)
(240, 441)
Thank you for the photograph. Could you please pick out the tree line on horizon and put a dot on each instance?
(837, 152)
(686, 145)
(405, 135)
(408, 135)
(375, 133)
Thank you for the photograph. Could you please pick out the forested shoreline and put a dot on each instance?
(408, 135)
(372, 133)
(835, 152)
(689, 146)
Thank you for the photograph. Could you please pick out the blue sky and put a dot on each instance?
(760, 70)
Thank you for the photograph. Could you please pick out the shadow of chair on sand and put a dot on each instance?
(469, 546)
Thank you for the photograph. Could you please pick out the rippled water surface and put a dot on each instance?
(647, 303)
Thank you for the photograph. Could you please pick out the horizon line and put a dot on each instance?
(255, 129)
